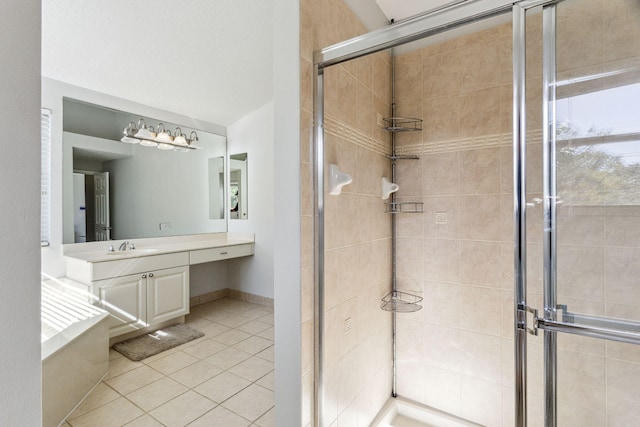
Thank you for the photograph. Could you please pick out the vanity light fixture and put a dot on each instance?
(144, 132)
(162, 139)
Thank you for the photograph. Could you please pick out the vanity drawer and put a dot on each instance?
(123, 267)
(217, 254)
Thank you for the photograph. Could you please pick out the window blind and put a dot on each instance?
(45, 177)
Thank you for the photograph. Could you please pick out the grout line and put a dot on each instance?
(235, 309)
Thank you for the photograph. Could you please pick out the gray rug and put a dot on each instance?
(144, 346)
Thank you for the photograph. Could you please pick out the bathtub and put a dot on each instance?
(401, 412)
(75, 348)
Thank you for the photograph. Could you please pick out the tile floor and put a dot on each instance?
(222, 379)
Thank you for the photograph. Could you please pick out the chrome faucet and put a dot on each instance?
(123, 246)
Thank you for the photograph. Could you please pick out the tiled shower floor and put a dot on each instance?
(222, 379)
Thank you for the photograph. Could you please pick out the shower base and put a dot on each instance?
(401, 412)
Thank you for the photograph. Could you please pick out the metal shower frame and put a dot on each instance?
(449, 16)
(422, 26)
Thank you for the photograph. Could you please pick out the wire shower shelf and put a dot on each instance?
(404, 207)
(401, 302)
(402, 124)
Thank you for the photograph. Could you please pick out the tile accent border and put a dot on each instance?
(355, 136)
(485, 141)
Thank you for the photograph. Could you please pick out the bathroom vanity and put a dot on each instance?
(149, 285)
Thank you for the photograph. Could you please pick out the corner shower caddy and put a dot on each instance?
(395, 125)
(399, 301)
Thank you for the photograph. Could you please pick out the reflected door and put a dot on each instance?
(102, 220)
(582, 202)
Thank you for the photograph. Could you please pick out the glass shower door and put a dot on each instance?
(582, 200)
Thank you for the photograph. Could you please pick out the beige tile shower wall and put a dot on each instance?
(357, 258)
(457, 353)
(451, 353)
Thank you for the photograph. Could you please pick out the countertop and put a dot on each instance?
(99, 251)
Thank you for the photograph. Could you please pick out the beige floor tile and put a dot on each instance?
(254, 327)
(251, 403)
(161, 383)
(183, 409)
(121, 365)
(232, 337)
(134, 379)
(145, 421)
(268, 419)
(222, 387)
(199, 311)
(160, 355)
(234, 320)
(253, 344)
(212, 329)
(196, 374)
(205, 348)
(228, 358)
(267, 333)
(99, 396)
(268, 353)
(115, 413)
(268, 318)
(256, 312)
(268, 381)
(174, 362)
(155, 394)
(252, 369)
(220, 417)
(216, 315)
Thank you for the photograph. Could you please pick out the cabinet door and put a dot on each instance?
(167, 294)
(125, 298)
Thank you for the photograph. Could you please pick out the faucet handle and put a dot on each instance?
(132, 246)
(111, 248)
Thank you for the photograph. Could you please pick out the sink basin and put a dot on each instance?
(133, 252)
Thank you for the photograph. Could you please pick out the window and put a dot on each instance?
(45, 177)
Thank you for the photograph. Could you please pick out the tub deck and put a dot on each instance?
(75, 348)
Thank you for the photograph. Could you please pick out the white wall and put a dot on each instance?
(208, 277)
(253, 134)
(286, 254)
(20, 369)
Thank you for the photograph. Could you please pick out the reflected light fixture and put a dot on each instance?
(146, 136)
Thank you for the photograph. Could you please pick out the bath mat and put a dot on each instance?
(147, 345)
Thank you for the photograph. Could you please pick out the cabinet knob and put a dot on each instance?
(144, 276)
(150, 274)
(224, 253)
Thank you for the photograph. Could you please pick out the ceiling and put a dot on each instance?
(211, 60)
(377, 13)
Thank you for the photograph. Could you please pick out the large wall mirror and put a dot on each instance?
(114, 190)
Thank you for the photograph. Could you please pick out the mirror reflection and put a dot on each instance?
(115, 190)
(238, 186)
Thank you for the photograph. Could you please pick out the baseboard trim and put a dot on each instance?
(231, 293)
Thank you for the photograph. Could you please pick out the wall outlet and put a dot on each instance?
(441, 218)
(165, 226)
(347, 325)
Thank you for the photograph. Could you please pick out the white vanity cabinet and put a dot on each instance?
(144, 299)
(148, 286)
(138, 292)
(125, 298)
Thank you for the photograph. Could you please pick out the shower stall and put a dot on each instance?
(525, 249)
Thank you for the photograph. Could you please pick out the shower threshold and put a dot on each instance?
(401, 412)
